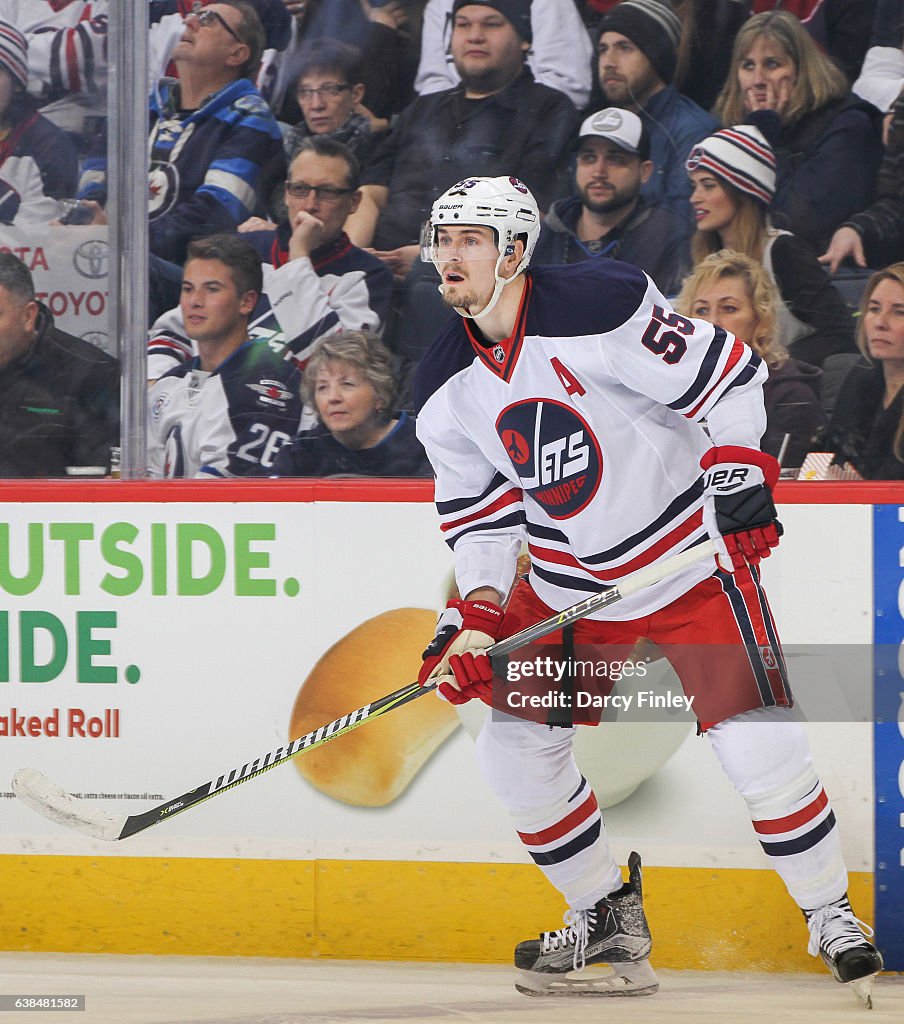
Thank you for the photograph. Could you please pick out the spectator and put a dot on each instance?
(636, 66)
(349, 380)
(166, 19)
(867, 426)
(214, 145)
(875, 236)
(386, 34)
(733, 176)
(839, 27)
(330, 92)
(560, 53)
(315, 281)
(227, 411)
(735, 293)
(38, 164)
(67, 65)
(609, 216)
(59, 395)
(801, 103)
(497, 121)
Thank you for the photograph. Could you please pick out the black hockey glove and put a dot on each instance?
(739, 509)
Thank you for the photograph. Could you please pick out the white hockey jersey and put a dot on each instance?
(231, 422)
(582, 434)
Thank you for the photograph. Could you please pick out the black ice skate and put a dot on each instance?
(842, 941)
(612, 939)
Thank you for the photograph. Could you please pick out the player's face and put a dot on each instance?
(466, 261)
(608, 177)
(727, 303)
(487, 51)
(215, 41)
(883, 321)
(212, 307)
(324, 112)
(17, 326)
(714, 208)
(626, 75)
(347, 403)
(331, 210)
(766, 75)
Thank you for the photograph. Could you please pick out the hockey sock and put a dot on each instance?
(766, 755)
(532, 770)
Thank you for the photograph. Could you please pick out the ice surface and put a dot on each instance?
(213, 990)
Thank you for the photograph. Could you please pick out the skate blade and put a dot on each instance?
(863, 990)
(632, 979)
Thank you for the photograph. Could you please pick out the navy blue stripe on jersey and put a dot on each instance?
(748, 633)
(579, 790)
(546, 533)
(570, 849)
(746, 374)
(558, 579)
(708, 366)
(801, 844)
(514, 519)
(679, 505)
(446, 508)
(676, 509)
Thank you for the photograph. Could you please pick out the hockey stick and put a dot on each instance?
(53, 802)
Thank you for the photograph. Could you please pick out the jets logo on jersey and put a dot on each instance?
(555, 454)
(271, 392)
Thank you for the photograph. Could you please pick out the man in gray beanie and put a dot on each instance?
(637, 53)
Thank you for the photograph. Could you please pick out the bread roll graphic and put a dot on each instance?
(372, 765)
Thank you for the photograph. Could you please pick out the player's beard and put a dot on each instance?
(466, 300)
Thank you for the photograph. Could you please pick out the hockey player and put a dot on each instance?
(565, 407)
(227, 411)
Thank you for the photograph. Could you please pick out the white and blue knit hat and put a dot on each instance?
(742, 157)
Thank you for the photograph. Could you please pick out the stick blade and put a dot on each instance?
(52, 801)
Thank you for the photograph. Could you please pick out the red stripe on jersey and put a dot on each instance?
(649, 555)
(72, 63)
(563, 826)
(169, 343)
(774, 826)
(509, 498)
(737, 351)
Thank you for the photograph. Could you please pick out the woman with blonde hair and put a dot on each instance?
(349, 381)
(733, 178)
(827, 141)
(867, 427)
(735, 293)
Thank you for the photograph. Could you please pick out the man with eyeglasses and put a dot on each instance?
(215, 147)
(315, 281)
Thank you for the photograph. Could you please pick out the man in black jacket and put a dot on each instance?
(498, 120)
(59, 395)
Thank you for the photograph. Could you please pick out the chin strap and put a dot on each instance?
(501, 282)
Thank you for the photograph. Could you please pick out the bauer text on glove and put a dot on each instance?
(739, 509)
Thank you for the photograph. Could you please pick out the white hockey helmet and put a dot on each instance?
(505, 205)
